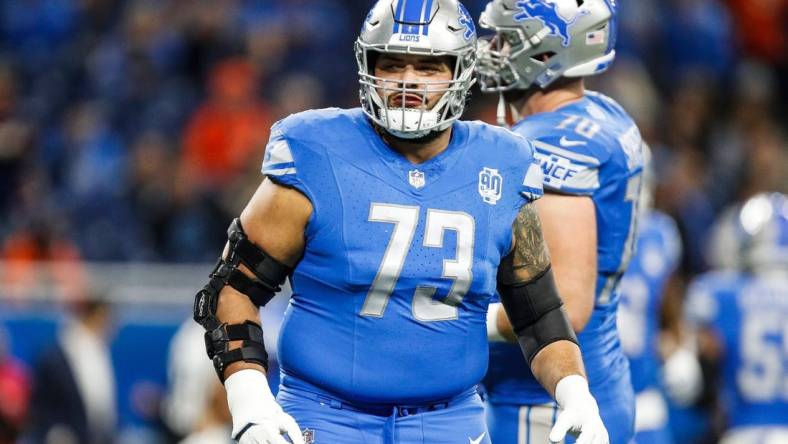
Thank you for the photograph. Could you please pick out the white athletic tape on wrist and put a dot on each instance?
(249, 398)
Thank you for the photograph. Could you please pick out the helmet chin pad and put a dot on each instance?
(409, 123)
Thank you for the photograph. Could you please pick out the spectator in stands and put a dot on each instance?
(195, 407)
(227, 132)
(215, 422)
(14, 394)
(16, 137)
(41, 241)
(74, 398)
(761, 27)
(188, 374)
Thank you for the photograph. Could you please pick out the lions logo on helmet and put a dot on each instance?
(537, 42)
(548, 13)
(426, 27)
(467, 21)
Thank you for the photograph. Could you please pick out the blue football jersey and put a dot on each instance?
(642, 287)
(750, 316)
(590, 148)
(390, 298)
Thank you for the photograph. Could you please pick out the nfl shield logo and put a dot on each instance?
(490, 185)
(309, 436)
(416, 178)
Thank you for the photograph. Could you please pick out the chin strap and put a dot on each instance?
(500, 115)
(515, 113)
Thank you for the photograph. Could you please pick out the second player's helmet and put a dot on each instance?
(539, 41)
(423, 27)
(752, 236)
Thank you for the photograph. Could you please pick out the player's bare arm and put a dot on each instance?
(531, 257)
(264, 244)
(569, 231)
(274, 220)
(569, 227)
(529, 264)
(541, 326)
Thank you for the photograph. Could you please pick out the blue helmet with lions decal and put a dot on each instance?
(539, 41)
(416, 27)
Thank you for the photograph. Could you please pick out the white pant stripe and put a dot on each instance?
(535, 423)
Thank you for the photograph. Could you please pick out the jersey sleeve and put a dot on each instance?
(525, 167)
(532, 186)
(279, 164)
(567, 171)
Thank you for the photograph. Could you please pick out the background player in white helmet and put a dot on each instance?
(590, 151)
(740, 311)
(395, 224)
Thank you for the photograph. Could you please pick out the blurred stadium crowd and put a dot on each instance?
(133, 130)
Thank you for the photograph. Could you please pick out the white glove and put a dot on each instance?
(493, 334)
(251, 402)
(579, 413)
(683, 376)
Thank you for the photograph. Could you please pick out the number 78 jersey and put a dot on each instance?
(592, 148)
(390, 297)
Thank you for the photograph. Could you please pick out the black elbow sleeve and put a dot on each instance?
(536, 312)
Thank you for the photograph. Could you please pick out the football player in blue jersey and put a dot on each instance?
(395, 224)
(642, 289)
(741, 315)
(591, 153)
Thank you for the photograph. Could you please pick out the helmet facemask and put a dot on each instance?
(423, 28)
(413, 122)
(566, 40)
(496, 66)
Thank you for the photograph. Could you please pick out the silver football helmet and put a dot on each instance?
(424, 27)
(539, 41)
(752, 236)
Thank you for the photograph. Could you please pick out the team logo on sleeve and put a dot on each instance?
(557, 170)
(309, 436)
(490, 185)
(416, 179)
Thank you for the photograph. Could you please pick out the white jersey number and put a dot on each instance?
(763, 376)
(583, 126)
(405, 220)
(632, 312)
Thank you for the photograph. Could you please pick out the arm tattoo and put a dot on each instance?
(530, 257)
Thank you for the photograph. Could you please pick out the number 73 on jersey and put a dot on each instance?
(405, 220)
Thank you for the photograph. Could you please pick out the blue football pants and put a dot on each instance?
(531, 424)
(327, 420)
